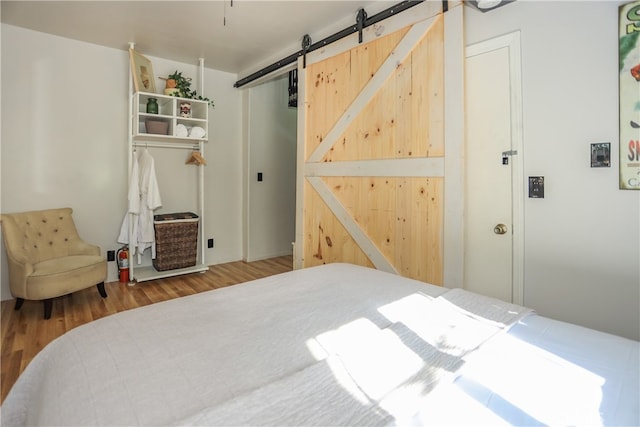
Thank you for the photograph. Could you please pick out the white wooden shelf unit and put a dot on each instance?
(168, 111)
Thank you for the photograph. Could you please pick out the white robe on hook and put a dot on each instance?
(144, 198)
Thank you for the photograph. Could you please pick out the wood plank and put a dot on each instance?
(298, 246)
(426, 98)
(25, 332)
(327, 95)
(409, 41)
(360, 139)
(325, 239)
(351, 225)
(425, 166)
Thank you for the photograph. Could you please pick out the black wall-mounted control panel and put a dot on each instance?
(536, 187)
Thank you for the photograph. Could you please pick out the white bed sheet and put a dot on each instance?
(543, 372)
(336, 344)
(162, 363)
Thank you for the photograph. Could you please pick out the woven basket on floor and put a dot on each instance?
(176, 240)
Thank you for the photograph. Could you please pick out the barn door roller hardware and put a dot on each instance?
(306, 44)
(362, 22)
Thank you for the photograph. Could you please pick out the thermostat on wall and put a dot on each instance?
(536, 187)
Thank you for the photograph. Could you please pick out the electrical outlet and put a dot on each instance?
(111, 255)
(210, 243)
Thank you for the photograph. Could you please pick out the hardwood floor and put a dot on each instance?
(26, 332)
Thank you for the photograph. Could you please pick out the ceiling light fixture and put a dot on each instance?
(487, 5)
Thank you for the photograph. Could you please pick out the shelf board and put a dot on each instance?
(145, 273)
(146, 95)
(191, 119)
(155, 116)
(165, 138)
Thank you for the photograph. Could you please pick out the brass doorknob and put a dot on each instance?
(500, 229)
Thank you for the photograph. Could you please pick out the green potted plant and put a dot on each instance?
(180, 86)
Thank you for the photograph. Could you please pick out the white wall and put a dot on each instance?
(271, 150)
(64, 141)
(582, 241)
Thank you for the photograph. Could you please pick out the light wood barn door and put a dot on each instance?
(373, 191)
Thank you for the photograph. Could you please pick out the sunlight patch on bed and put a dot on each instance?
(376, 359)
(424, 346)
(439, 323)
(450, 405)
(557, 392)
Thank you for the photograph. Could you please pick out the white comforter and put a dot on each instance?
(330, 345)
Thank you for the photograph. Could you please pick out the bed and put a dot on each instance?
(336, 344)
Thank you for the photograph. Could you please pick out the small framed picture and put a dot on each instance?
(142, 70)
(601, 155)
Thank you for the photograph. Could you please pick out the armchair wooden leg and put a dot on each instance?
(19, 302)
(48, 305)
(103, 293)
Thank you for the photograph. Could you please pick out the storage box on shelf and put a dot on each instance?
(164, 125)
(157, 127)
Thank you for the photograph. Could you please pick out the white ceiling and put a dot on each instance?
(256, 31)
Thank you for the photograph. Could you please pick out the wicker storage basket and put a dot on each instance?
(176, 240)
(158, 127)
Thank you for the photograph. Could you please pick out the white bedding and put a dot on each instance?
(330, 345)
(543, 372)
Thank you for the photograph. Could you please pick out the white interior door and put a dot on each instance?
(493, 162)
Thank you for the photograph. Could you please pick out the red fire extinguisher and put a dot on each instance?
(123, 264)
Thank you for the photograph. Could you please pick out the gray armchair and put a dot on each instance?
(47, 258)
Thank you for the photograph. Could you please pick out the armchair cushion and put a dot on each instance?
(70, 274)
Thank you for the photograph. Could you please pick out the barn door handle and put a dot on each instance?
(500, 229)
